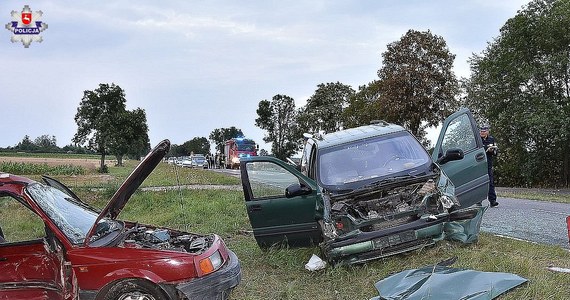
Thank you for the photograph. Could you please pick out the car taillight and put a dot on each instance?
(211, 263)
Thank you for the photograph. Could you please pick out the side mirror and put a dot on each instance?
(297, 190)
(451, 155)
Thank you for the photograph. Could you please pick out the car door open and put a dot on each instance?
(469, 174)
(281, 203)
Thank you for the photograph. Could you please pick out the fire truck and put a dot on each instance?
(237, 148)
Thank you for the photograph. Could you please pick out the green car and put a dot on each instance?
(370, 192)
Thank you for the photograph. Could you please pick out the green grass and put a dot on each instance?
(280, 273)
(162, 175)
(536, 195)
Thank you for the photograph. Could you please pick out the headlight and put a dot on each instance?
(211, 263)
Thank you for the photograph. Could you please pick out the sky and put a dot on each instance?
(195, 66)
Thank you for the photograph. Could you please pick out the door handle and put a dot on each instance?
(255, 207)
(480, 156)
(3, 259)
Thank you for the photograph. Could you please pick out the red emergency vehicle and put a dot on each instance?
(237, 148)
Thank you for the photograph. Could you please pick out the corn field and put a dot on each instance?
(20, 168)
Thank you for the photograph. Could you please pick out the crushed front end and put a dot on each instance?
(387, 218)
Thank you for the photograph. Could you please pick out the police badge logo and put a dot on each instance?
(26, 26)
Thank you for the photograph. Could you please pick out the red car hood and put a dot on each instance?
(131, 184)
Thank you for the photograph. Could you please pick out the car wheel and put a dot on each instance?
(133, 289)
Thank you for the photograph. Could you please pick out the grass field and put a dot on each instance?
(280, 273)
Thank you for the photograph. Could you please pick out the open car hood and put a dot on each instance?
(131, 184)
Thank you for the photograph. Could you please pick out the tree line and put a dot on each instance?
(520, 84)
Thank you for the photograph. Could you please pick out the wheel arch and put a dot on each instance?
(167, 291)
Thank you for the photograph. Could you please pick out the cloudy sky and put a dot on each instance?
(194, 66)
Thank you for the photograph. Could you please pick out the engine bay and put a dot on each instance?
(166, 239)
(386, 207)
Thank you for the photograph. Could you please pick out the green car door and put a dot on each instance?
(469, 175)
(282, 204)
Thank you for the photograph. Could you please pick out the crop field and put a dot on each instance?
(280, 273)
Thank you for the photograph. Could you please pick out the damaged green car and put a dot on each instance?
(370, 192)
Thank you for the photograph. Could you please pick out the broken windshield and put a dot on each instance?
(368, 160)
(72, 219)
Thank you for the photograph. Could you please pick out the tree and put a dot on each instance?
(417, 85)
(45, 143)
(278, 118)
(133, 137)
(363, 106)
(197, 145)
(324, 108)
(521, 84)
(26, 144)
(105, 125)
(220, 135)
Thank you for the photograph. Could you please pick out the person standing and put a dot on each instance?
(491, 151)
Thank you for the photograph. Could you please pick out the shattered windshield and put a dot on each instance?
(362, 161)
(71, 218)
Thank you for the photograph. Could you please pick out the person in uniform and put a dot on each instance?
(491, 151)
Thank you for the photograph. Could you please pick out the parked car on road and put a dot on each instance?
(370, 192)
(81, 253)
(186, 162)
(199, 161)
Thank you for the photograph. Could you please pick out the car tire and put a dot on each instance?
(133, 289)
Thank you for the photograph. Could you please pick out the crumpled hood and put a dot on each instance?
(131, 184)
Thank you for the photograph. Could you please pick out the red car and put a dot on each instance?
(86, 254)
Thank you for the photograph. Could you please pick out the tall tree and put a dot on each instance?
(133, 138)
(106, 126)
(220, 135)
(324, 108)
(45, 143)
(197, 145)
(521, 84)
(278, 118)
(26, 144)
(418, 87)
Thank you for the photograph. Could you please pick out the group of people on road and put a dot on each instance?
(215, 161)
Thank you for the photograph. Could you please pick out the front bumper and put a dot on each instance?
(215, 286)
(365, 246)
(460, 225)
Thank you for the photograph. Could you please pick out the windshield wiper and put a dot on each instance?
(392, 179)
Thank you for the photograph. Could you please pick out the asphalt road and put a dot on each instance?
(531, 220)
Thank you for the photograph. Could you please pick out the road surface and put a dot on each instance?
(531, 220)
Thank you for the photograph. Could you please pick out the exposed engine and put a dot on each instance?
(165, 239)
(384, 208)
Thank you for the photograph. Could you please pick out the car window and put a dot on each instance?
(268, 179)
(459, 134)
(18, 223)
(73, 220)
(305, 157)
(364, 160)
